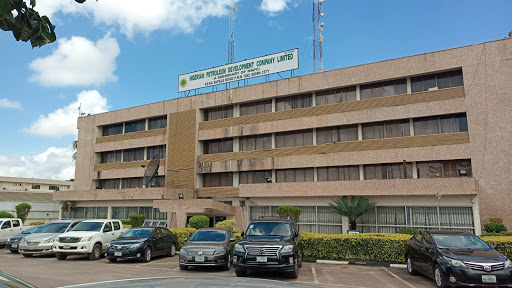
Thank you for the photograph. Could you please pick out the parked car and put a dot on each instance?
(208, 247)
(457, 258)
(13, 242)
(9, 227)
(142, 243)
(269, 245)
(89, 237)
(41, 243)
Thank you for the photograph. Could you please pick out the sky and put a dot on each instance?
(114, 54)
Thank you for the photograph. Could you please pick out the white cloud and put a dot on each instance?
(54, 163)
(6, 103)
(134, 16)
(78, 61)
(273, 7)
(63, 120)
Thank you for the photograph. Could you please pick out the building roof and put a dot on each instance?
(26, 197)
(35, 181)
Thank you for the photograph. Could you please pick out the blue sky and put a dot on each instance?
(114, 54)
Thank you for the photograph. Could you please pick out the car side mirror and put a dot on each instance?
(106, 229)
(493, 247)
(232, 240)
(185, 239)
(296, 234)
(242, 234)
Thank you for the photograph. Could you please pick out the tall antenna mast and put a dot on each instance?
(318, 38)
(231, 42)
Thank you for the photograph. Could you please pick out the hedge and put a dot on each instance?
(37, 223)
(4, 214)
(180, 234)
(137, 220)
(503, 244)
(228, 224)
(199, 221)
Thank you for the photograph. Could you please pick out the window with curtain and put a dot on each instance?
(157, 122)
(295, 175)
(336, 134)
(444, 169)
(387, 171)
(386, 129)
(223, 145)
(426, 126)
(136, 154)
(335, 96)
(339, 173)
(154, 150)
(256, 107)
(256, 142)
(437, 81)
(253, 177)
(134, 126)
(454, 123)
(218, 113)
(110, 183)
(112, 129)
(294, 102)
(135, 182)
(218, 179)
(386, 88)
(111, 156)
(441, 124)
(157, 181)
(294, 138)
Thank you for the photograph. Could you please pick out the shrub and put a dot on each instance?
(495, 227)
(37, 223)
(181, 233)
(4, 214)
(496, 220)
(407, 230)
(289, 211)
(22, 211)
(137, 220)
(199, 221)
(228, 224)
(497, 234)
(502, 243)
(126, 221)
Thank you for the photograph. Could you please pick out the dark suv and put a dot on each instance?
(269, 244)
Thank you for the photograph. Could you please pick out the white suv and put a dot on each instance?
(87, 237)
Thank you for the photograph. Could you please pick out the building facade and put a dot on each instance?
(426, 137)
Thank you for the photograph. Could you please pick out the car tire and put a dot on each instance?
(228, 265)
(439, 277)
(96, 252)
(183, 267)
(410, 269)
(301, 259)
(173, 250)
(241, 273)
(27, 255)
(147, 255)
(295, 273)
(14, 251)
(112, 260)
(61, 256)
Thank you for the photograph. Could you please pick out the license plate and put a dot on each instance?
(118, 253)
(67, 246)
(488, 278)
(14, 246)
(199, 258)
(261, 259)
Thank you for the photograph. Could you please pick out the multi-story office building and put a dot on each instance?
(426, 137)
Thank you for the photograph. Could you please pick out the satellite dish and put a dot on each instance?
(151, 169)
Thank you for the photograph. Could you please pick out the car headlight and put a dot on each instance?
(23, 241)
(287, 248)
(8, 239)
(86, 239)
(183, 252)
(49, 240)
(136, 245)
(455, 263)
(508, 264)
(219, 251)
(239, 248)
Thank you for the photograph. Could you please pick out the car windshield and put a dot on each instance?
(54, 228)
(269, 229)
(449, 241)
(137, 233)
(32, 230)
(209, 235)
(88, 226)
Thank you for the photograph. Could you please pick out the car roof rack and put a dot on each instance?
(275, 217)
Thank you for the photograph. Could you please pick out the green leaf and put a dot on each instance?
(33, 3)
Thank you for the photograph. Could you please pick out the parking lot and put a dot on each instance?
(50, 272)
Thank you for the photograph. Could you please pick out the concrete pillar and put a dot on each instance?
(236, 110)
(60, 213)
(476, 216)
(109, 212)
(273, 104)
(409, 89)
(147, 124)
(240, 225)
(313, 99)
(358, 92)
(315, 174)
(414, 170)
(345, 222)
(361, 172)
(236, 144)
(359, 131)
(181, 219)
(274, 176)
(236, 179)
(273, 140)
(411, 127)
(314, 136)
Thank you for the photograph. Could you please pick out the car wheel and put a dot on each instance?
(147, 255)
(112, 260)
(439, 277)
(295, 273)
(183, 267)
(410, 269)
(241, 273)
(173, 250)
(301, 259)
(228, 265)
(61, 256)
(96, 252)
(27, 255)
(14, 251)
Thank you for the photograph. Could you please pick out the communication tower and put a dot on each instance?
(318, 38)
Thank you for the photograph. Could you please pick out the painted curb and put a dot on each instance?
(332, 262)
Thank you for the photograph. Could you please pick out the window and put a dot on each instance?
(117, 226)
(387, 171)
(335, 96)
(256, 108)
(437, 81)
(218, 113)
(341, 173)
(295, 175)
(443, 124)
(6, 224)
(157, 181)
(454, 123)
(218, 146)
(252, 177)
(256, 142)
(110, 183)
(133, 155)
(157, 122)
(336, 134)
(36, 186)
(388, 129)
(134, 126)
(426, 126)
(111, 156)
(16, 223)
(444, 169)
(108, 225)
(156, 150)
(381, 89)
(113, 129)
(217, 179)
(55, 188)
(135, 182)
(294, 102)
(294, 138)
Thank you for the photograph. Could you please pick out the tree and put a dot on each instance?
(509, 34)
(74, 145)
(289, 211)
(22, 211)
(27, 25)
(353, 209)
(4, 214)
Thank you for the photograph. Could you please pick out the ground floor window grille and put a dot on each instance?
(149, 212)
(87, 213)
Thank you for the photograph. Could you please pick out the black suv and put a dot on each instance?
(269, 244)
